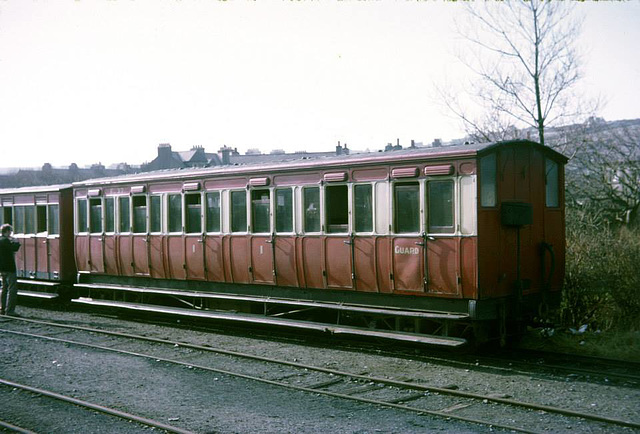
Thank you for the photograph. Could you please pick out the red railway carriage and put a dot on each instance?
(425, 244)
(42, 220)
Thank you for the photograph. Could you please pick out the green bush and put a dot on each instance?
(602, 277)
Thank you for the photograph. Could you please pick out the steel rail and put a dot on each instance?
(389, 382)
(280, 384)
(13, 428)
(96, 407)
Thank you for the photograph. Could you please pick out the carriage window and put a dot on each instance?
(53, 225)
(175, 213)
(260, 210)
(213, 212)
(155, 214)
(139, 214)
(83, 225)
(551, 181)
(440, 200)
(406, 208)
(95, 215)
(7, 215)
(284, 210)
(238, 211)
(193, 206)
(311, 209)
(2, 211)
(488, 180)
(125, 214)
(29, 219)
(109, 214)
(18, 227)
(363, 208)
(337, 209)
(41, 217)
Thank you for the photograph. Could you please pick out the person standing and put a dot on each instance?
(8, 248)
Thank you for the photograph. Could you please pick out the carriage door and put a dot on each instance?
(442, 255)
(408, 245)
(338, 242)
(140, 238)
(262, 241)
(195, 236)
(42, 242)
(96, 235)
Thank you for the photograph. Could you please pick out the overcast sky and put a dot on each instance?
(90, 81)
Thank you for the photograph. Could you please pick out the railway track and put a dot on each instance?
(496, 411)
(85, 405)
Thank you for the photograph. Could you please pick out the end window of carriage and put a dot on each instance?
(488, 191)
(53, 219)
(552, 194)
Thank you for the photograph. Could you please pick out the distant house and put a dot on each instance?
(168, 159)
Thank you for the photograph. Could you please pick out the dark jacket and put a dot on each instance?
(8, 248)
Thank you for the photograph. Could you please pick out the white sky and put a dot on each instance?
(90, 81)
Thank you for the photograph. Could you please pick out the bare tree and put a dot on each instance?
(524, 57)
(604, 174)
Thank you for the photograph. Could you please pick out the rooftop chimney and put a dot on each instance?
(226, 155)
(339, 149)
(164, 150)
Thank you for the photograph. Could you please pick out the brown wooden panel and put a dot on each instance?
(442, 262)
(194, 251)
(261, 259)
(111, 255)
(125, 255)
(42, 257)
(140, 255)
(488, 252)
(383, 261)
(29, 251)
(96, 254)
(366, 264)
(54, 257)
(338, 262)
(157, 257)
(408, 264)
(214, 259)
(174, 252)
(312, 259)
(239, 258)
(468, 267)
(82, 252)
(286, 269)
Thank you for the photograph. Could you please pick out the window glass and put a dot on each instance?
(284, 210)
(468, 205)
(41, 217)
(194, 213)
(83, 225)
(406, 208)
(440, 202)
(488, 180)
(54, 220)
(29, 219)
(551, 180)
(109, 214)
(337, 208)
(18, 227)
(7, 216)
(213, 211)
(2, 211)
(95, 216)
(140, 214)
(363, 207)
(260, 210)
(311, 209)
(155, 214)
(238, 211)
(175, 212)
(125, 214)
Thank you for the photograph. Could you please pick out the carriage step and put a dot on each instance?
(449, 342)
